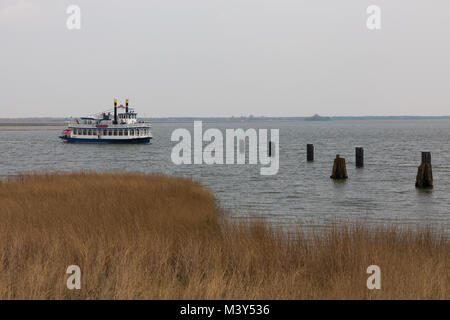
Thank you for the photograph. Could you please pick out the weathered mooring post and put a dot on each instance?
(309, 152)
(359, 157)
(339, 169)
(424, 177)
(271, 148)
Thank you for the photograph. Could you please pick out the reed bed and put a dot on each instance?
(139, 236)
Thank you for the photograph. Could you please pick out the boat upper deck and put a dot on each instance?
(109, 125)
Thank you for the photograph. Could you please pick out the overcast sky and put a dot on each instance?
(225, 57)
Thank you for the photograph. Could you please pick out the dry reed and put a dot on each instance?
(139, 236)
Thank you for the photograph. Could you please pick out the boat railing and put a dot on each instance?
(112, 126)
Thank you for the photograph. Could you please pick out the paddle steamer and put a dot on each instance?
(121, 127)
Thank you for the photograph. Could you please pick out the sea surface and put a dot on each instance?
(382, 191)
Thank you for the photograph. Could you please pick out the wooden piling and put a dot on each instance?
(426, 157)
(424, 177)
(339, 169)
(359, 157)
(309, 152)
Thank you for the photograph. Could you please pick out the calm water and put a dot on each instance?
(382, 191)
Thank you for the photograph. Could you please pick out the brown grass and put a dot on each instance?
(156, 237)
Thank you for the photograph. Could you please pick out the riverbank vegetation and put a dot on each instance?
(137, 236)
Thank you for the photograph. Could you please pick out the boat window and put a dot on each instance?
(126, 132)
(120, 132)
(105, 132)
(109, 132)
(89, 133)
(131, 132)
(115, 132)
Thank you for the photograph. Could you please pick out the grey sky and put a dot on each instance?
(227, 57)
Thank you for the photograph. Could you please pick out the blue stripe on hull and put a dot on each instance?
(78, 140)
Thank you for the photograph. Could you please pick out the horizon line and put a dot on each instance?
(250, 117)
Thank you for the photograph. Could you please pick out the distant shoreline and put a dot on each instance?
(31, 124)
(6, 122)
